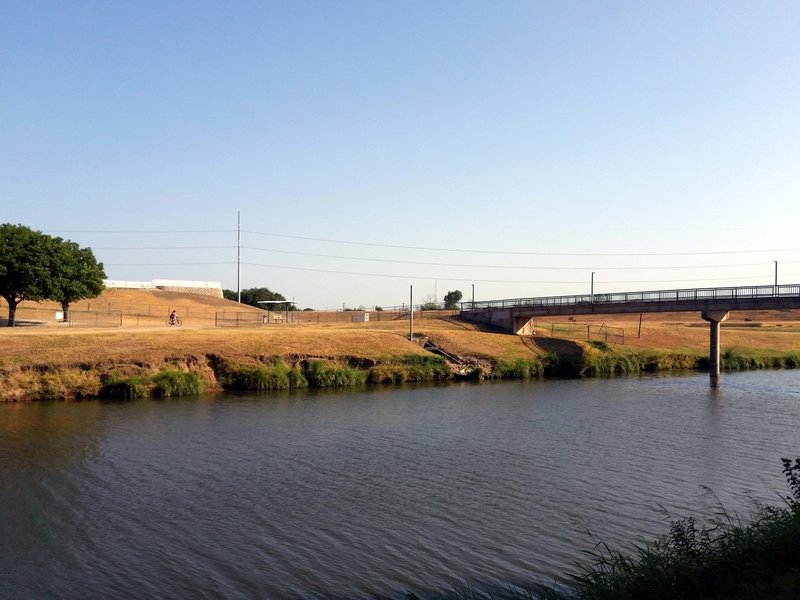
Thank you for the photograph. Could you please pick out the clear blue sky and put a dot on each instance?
(530, 140)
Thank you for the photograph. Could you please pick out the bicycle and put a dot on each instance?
(176, 322)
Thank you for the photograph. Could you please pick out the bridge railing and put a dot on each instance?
(719, 293)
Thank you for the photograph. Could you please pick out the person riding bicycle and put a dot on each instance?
(173, 317)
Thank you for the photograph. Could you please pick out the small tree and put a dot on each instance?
(75, 274)
(25, 257)
(429, 303)
(252, 296)
(451, 299)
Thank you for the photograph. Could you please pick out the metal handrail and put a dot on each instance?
(681, 295)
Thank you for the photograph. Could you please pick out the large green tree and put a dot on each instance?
(75, 274)
(35, 266)
(451, 299)
(25, 266)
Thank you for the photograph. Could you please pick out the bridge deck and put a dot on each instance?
(689, 300)
(515, 314)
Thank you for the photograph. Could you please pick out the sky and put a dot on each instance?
(343, 153)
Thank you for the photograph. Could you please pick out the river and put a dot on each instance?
(370, 493)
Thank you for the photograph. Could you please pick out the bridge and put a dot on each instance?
(714, 304)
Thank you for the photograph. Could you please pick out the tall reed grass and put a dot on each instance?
(322, 374)
(276, 376)
(410, 367)
(165, 384)
(170, 383)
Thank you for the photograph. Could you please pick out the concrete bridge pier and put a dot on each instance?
(714, 318)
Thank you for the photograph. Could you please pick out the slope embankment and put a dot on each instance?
(53, 361)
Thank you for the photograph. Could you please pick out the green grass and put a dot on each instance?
(169, 383)
(520, 368)
(322, 374)
(410, 368)
(166, 384)
(733, 359)
(129, 388)
(275, 376)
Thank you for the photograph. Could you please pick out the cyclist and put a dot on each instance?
(173, 317)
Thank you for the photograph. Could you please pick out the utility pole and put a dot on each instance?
(411, 312)
(238, 255)
(591, 289)
(776, 273)
(473, 296)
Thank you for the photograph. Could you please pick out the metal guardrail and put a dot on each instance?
(685, 295)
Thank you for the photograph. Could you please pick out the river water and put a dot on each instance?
(362, 494)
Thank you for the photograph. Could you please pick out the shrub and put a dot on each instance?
(609, 364)
(386, 374)
(410, 367)
(561, 365)
(475, 374)
(427, 366)
(277, 376)
(518, 369)
(170, 383)
(320, 374)
(124, 389)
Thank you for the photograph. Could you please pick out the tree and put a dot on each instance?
(25, 259)
(252, 296)
(75, 274)
(451, 299)
(429, 303)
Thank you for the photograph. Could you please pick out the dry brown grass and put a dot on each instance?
(66, 353)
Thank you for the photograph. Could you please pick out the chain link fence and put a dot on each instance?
(315, 317)
(580, 331)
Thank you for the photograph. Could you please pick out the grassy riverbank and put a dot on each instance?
(49, 361)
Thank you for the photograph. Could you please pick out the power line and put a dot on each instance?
(163, 247)
(117, 231)
(532, 268)
(509, 252)
(427, 248)
(433, 278)
(170, 264)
